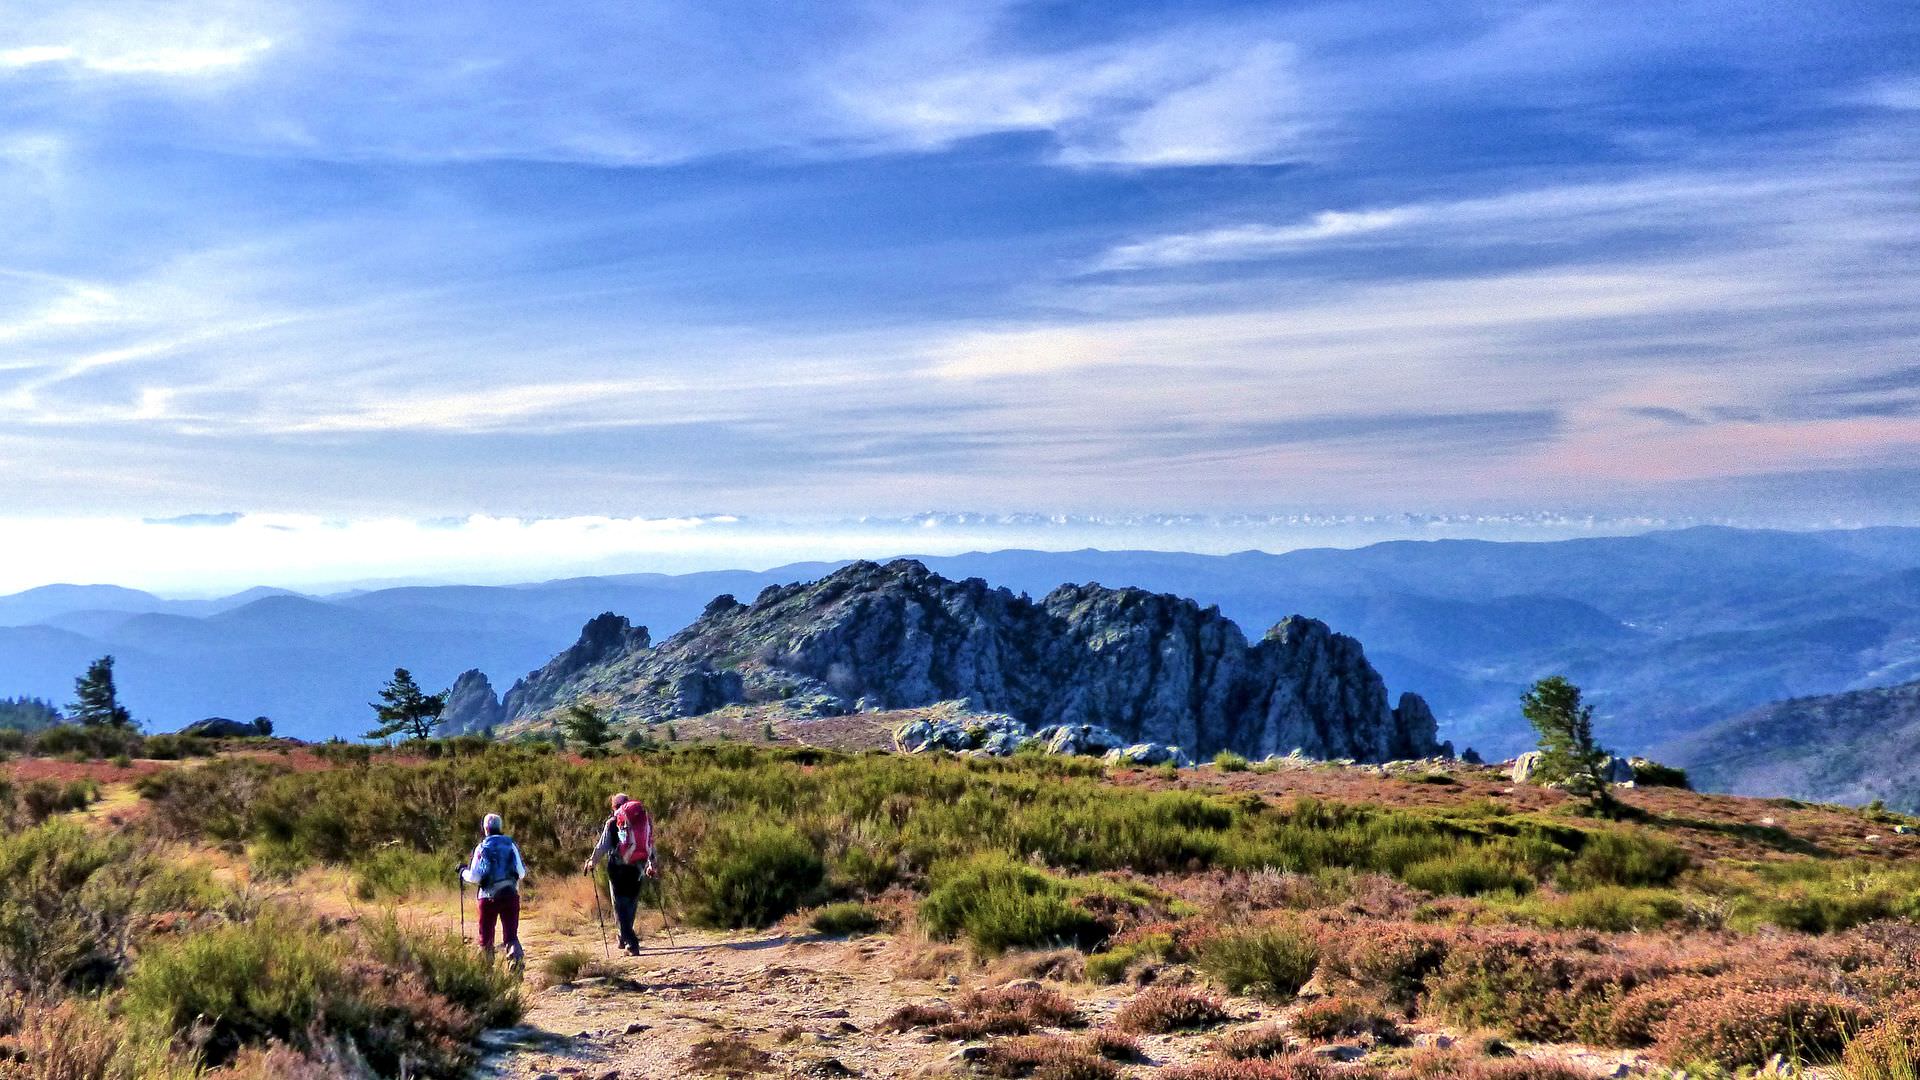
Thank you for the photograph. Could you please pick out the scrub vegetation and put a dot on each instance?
(1667, 929)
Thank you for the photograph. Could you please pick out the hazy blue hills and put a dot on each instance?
(1852, 747)
(1671, 632)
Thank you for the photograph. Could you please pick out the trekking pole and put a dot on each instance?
(460, 890)
(606, 950)
(660, 901)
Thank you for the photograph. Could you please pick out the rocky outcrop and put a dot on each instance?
(1145, 667)
(992, 735)
(219, 727)
(472, 706)
(606, 638)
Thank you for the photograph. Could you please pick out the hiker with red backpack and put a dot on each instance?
(626, 842)
(497, 868)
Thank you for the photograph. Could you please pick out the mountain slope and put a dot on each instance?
(1152, 667)
(1849, 748)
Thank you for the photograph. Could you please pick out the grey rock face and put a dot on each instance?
(605, 637)
(1150, 754)
(993, 735)
(1146, 667)
(472, 706)
(219, 727)
(1525, 766)
(1078, 739)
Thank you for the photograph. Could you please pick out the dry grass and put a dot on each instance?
(727, 1056)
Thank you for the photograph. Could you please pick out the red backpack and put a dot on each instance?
(635, 828)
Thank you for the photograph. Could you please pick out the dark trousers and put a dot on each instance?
(503, 907)
(623, 884)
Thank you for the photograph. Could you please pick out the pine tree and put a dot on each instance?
(97, 703)
(585, 725)
(409, 712)
(1568, 750)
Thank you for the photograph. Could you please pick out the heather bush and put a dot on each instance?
(1298, 1067)
(1390, 959)
(1007, 1010)
(1114, 1046)
(1047, 1057)
(1161, 1009)
(1228, 761)
(1747, 1028)
(1342, 1017)
(1890, 1049)
(1272, 962)
(1258, 1041)
(1530, 987)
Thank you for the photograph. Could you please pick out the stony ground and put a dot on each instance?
(800, 1005)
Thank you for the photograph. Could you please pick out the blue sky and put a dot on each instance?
(653, 259)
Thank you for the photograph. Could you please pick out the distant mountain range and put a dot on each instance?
(1670, 632)
(1850, 748)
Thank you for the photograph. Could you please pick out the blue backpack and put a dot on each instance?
(496, 853)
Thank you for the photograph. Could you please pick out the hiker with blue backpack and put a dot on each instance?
(496, 867)
(626, 842)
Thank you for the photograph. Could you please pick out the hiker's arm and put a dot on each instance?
(605, 847)
(471, 872)
(519, 865)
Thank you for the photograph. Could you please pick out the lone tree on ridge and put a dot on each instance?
(408, 711)
(1568, 751)
(97, 703)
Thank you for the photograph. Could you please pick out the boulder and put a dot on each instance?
(1078, 739)
(995, 736)
(1149, 754)
(1525, 766)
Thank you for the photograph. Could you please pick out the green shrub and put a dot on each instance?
(447, 967)
(1468, 872)
(1623, 858)
(1228, 761)
(751, 876)
(67, 900)
(394, 873)
(39, 800)
(1271, 962)
(845, 920)
(276, 980)
(1002, 904)
(566, 965)
(1606, 908)
(1112, 966)
(1653, 774)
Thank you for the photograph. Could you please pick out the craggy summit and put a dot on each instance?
(1148, 666)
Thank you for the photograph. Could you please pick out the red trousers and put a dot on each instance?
(505, 907)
